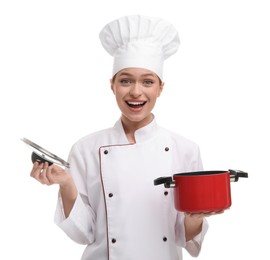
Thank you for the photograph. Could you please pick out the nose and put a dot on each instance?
(136, 90)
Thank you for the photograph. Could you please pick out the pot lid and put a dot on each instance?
(44, 155)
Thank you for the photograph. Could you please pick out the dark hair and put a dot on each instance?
(113, 78)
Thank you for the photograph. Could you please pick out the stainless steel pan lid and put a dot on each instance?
(42, 155)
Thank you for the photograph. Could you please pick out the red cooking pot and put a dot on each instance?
(202, 191)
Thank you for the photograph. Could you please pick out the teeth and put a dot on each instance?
(135, 103)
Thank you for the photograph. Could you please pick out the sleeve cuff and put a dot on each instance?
(194, 246)
(78, 225)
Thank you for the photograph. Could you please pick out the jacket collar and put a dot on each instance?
(141, 135)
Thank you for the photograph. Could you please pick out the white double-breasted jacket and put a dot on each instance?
(119, 213)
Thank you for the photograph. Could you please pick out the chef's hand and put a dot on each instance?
(193, 222)
(54, 174)
(49, 175)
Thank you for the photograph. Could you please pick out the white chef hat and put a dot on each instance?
(139, 42)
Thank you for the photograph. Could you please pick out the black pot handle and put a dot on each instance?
(167, 181)
(236, 174)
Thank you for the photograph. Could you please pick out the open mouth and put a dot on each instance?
(136, 104)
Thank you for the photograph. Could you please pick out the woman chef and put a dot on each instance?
(107, 199)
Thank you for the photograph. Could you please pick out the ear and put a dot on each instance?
(161, 88)
(112, 86)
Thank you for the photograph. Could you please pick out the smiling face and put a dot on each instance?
(136, 91)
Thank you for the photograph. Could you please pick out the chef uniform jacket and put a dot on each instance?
(119, 213)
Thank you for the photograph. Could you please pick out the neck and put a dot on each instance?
(131, 126)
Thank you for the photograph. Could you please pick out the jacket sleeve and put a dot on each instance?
(194, 163)
(80, 224)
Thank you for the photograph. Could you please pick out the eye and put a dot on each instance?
(148, 82)
(125, 81)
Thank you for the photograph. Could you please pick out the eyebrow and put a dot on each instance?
(131, 75)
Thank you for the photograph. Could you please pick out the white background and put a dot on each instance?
(54, 83)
